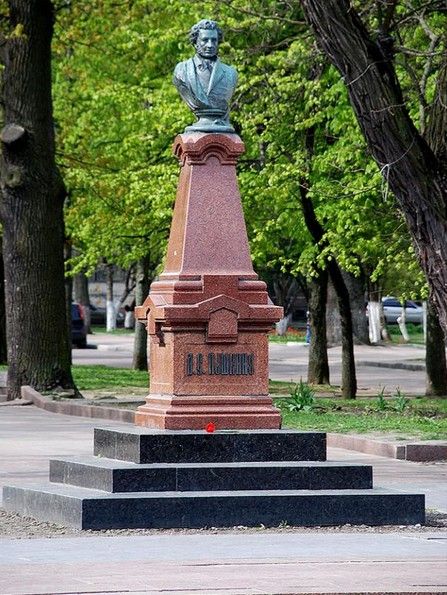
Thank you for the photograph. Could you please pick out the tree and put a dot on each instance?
(416, 175)
(318, 367)
(32, 205)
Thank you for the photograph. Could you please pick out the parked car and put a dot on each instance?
(98, 316)
(78, 330)
(392, 309)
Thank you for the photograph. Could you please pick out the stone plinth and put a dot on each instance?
(142, 478)
(208, 315)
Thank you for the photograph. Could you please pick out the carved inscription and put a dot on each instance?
(220, 364)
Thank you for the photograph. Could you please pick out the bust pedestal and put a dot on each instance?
(208, 315)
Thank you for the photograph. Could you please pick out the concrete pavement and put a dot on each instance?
(329, 561)
(245, 564)
(306, 561)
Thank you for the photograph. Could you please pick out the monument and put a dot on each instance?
(208, 315)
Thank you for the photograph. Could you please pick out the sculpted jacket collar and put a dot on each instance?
(216, 73)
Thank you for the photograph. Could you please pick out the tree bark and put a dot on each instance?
(348, 374)
(417, 177)
(141, 291)
(435, 360)
(68, 283)
(81, 296)
(32, 207)
(3, 345)
(356, 288)
(435, 356)
(402, 323)
(333, 323)
(318, 368)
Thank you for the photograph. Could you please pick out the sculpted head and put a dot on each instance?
(205, 36)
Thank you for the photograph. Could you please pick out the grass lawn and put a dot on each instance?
(421, 418)
(287, 338)
(406, 418)
(105, 377)
(415, 332)
(117, 331)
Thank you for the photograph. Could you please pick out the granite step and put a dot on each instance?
(92, 509)
(117, 476)
(141, 445)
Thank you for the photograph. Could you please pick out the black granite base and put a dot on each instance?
(90, 509)
(114, 476)
(162, 479)
(140, 445)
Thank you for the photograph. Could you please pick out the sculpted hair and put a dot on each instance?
(204, 24)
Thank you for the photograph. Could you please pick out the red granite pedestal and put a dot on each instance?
(208, 315)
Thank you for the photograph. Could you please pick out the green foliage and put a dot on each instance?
(381, 402)
(117, 113)
(401, 402)
(115, 123)
(302, 398)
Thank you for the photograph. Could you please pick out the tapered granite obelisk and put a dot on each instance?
(208, 315)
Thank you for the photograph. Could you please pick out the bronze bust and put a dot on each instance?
(204, 82)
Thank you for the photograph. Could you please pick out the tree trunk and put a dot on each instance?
(68, 282)
(356, 288)
(286, 289)
(435, 359)
(32, 206)
(416, 176)
(349, 380)
(402, 323)
(110, 305)
(348, 375)
(375, 335)
(3, 346)
(283, 324)
(318, 368)
(333, 323)
(81, 296)
(129, 320)
(141, 292)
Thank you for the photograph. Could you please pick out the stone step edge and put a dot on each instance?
(90, 509)
(77, 492)
(107, 476)
(117, 464)
(416, 451)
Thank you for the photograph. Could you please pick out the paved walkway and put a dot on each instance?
(204, 564)
(401, 561)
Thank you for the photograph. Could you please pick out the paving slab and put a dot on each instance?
(410, 561)
(274, 563)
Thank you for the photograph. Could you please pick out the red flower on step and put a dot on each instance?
(210, 427)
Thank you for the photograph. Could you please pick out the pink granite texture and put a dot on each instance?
(208, 315)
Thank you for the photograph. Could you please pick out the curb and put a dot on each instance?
(392, 365)
(407, 451)
(72, 408)
(111, 347)
(419, 452)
